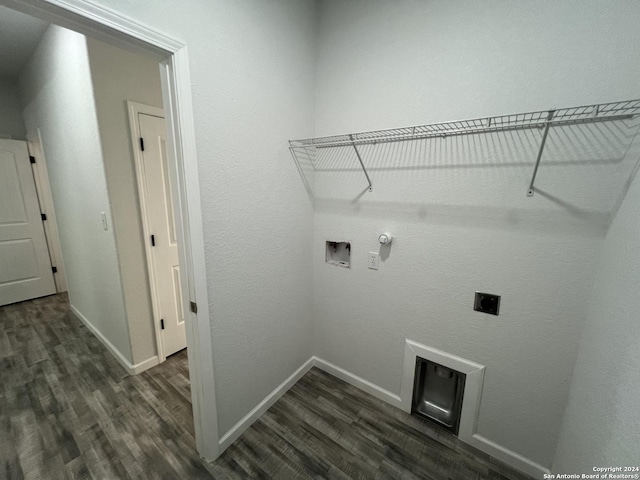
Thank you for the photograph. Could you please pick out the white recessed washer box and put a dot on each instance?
(338, 253)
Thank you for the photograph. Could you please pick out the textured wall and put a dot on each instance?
(252, 81)
(119, 75)
(11, 122)
(601, 426)
(458, 206)
(58, 98)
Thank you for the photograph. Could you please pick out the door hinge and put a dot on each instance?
(162, 323)
(43, 216)
(194, 307)
(54, 269)
(32, 159)
(153, 240)
(142, 144)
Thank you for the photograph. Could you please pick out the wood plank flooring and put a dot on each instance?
(69, 410)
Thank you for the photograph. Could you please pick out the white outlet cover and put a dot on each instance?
(374, 260)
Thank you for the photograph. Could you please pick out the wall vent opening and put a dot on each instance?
(437, 394)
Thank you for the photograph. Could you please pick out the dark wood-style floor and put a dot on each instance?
(69, 410)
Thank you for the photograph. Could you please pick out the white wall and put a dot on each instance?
(458, 206)
(602, 421)
(119, 75)
(11, 122)
(460, 227)
(58, 98)
(252, 79)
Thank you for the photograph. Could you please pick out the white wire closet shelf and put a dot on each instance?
(543, 119)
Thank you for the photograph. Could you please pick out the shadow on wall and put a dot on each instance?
(483, 177)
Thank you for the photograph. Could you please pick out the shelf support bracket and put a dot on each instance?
(355, 147)
(540, 150)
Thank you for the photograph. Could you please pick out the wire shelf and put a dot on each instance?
(539, 119)
(543, 119)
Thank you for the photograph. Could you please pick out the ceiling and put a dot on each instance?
(19, 36)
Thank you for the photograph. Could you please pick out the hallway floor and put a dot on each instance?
(69, 410)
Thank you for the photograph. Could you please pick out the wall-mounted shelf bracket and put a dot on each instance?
(545, 133)
(355, 147)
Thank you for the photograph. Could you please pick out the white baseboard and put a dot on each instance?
(358, 382)
(128, 366)
(507, 456)
(239, 428)
(144, 365)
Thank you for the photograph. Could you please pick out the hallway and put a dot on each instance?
(69, 410)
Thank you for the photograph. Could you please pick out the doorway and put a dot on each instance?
(90, 19)
(25, 266)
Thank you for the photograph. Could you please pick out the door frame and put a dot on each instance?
(133, 109)
(41, 177)
(117, 29)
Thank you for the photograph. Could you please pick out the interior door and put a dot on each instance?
(162, 234)
(25, 266)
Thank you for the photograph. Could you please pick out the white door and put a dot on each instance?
(25, 266)
(165, 268)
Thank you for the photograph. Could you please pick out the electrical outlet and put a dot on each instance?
(374, 260)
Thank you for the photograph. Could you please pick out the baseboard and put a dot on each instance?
(509, 457)
(238, 429)
(358, 382)
(128, 366)
(144, 365)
